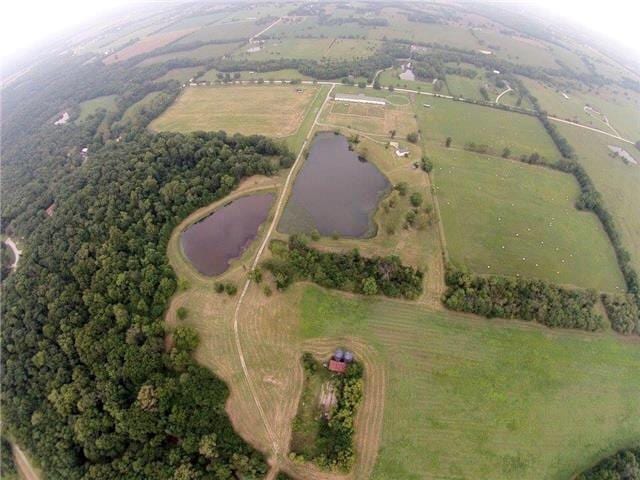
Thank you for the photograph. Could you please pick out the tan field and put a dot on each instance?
(273, 110)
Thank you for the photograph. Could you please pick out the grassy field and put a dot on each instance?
(285, 74)
(621, 108)
(205, 52)
(390, 77)
(470, 398)
(130, 112)
(236, 30)
(312, 48)
(276, 111)
(89, 107)
(180, 74)
(617, 182)
(505, 217)
(464, 122)
(145, 45)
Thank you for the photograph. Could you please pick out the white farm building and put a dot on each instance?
(360, 98)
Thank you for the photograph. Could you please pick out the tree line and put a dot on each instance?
(623, 465)
(90, 387)
(342, 271)
(531, 300)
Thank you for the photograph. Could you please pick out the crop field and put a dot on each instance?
(464, 122)
(205, 52)
(145, 45)
(621, 108)
(89, 107)
(505, 217)
(372, 119)
(276, 111)
(617, 182)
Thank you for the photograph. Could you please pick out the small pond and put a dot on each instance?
(335, 192)
(214, 241)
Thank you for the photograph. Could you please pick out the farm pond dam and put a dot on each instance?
(336, 192)
(211, 243)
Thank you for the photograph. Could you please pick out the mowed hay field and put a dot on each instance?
(486, 399)
(617, 182)
(276, 111)
(505, 217)
(464, 122)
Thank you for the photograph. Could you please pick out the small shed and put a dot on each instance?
(337, 367)
(402, 152)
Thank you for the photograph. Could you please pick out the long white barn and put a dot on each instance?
(360, 98)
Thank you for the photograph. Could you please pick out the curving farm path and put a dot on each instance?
(265, 241)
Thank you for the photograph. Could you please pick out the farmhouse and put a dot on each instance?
(402, 152)
(360, 98)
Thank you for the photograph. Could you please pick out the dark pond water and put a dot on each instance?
(335, 192)
(214, 241)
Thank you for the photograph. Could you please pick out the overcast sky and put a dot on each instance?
(25, 23)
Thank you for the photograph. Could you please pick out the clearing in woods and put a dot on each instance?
(272, 110)
(505, 217)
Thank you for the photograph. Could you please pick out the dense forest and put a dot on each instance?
(532, 300)
(89, 387)
(342, 271)
(624, 465)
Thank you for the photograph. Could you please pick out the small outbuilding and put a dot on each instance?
(402, 152)
(340, 361)
(337, 367)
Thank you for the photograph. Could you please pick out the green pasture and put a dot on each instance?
(464, 122)
(492, 399)
(617, 182)
(90, 107)
(621, 107)
(213, 50)
(509, 218)
(180, 74)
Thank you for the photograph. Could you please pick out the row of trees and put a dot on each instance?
(623, 313)
(89, 387)
(343, 271)
(590, 199)
(532, 300)
(623, 465)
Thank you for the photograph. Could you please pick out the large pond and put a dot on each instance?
(214, 241)
(335, 192)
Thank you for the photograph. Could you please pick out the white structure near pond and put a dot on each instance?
(360, 98)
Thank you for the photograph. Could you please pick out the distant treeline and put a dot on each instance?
(532, 300)
(343, 271)
(623, 465)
